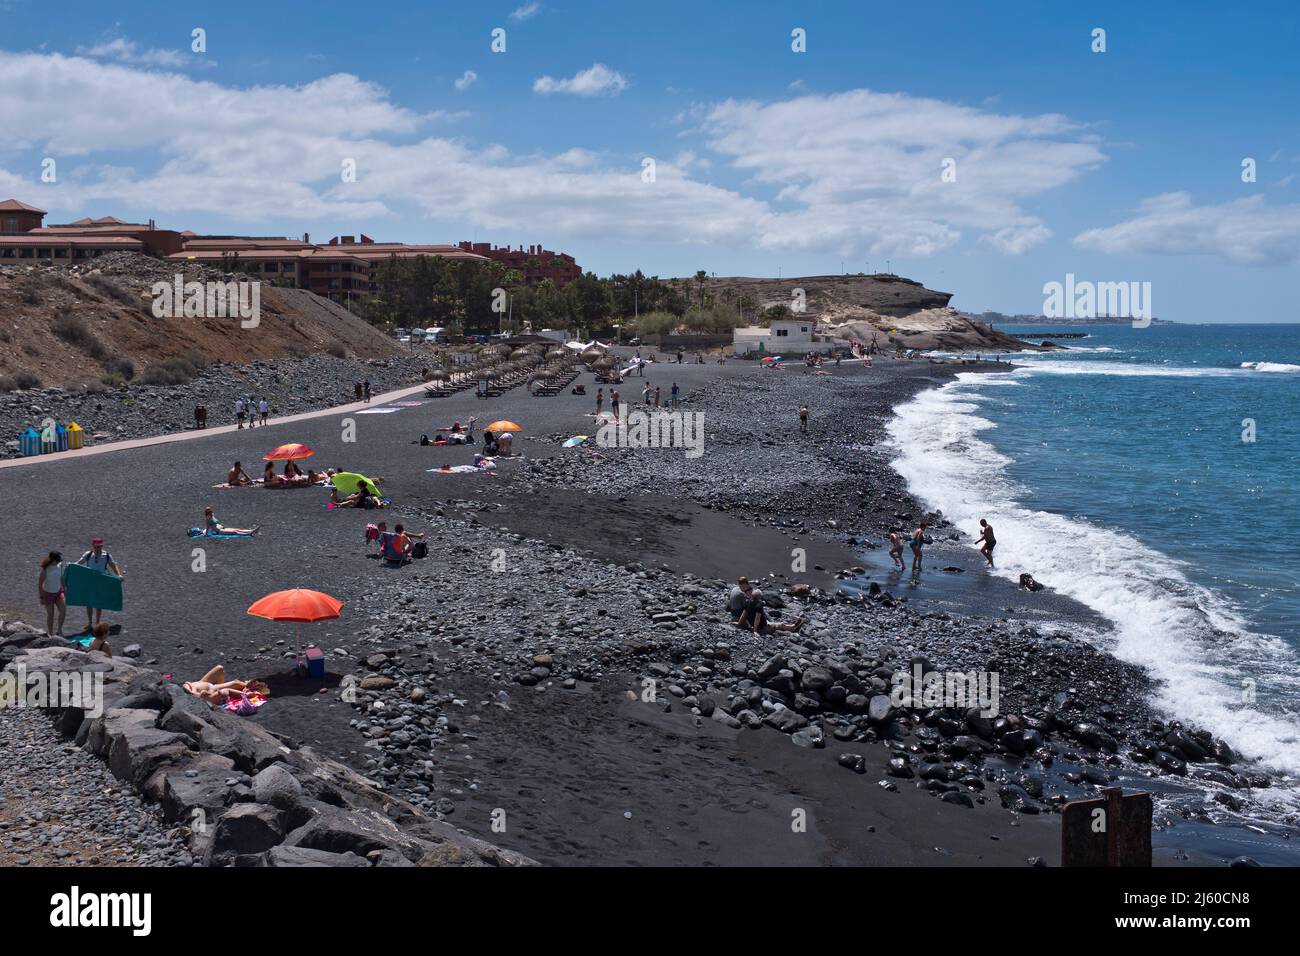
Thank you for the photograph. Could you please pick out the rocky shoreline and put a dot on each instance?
(562, 656)
(1072, 718)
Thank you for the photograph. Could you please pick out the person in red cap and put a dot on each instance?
(100, 560)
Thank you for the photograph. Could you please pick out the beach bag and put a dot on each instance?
(420, 550)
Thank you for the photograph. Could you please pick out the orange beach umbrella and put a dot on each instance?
(288, 453)
(298, 605)
(496, 428)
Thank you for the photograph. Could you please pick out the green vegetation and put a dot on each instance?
(460, 295)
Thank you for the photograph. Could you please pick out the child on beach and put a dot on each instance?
(50, 585)
(896, 550)
(803, 419)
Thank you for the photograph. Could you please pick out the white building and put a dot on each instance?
(784, 336)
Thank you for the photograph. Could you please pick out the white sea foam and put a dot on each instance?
(1066, 367)
(1190, 639)
(1271, 366)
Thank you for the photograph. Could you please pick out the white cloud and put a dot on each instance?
(466, 81)
(128, 51)
(864, 169)
(526, 12)
(842, 173)
(596, 80)
(1017, 240)
(1243, 231)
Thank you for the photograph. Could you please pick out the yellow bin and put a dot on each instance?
(76, 436)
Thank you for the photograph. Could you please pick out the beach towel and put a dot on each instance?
(86, 587)
(200, 533)
(457, 470)
(247, 702)
(386, 502)
(377, 411)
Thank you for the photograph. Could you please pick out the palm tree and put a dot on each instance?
(700, 276)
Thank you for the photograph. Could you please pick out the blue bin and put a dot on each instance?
(61, 438)
(29, 442)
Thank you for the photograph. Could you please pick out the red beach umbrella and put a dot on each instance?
(288, 453)
(299, 605)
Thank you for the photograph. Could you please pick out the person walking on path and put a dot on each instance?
(239, 411)
(600, 401)
(613, 402)
(99, 560)
(263, 410)
(356, 389)
(645, 394)
(50, 585)
(657, 394)
(990, 542)
(676, 391)
(365, 386)
(803, 419)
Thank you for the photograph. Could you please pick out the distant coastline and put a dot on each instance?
(999, 318)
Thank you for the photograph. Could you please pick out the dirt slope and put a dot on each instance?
(67, 326)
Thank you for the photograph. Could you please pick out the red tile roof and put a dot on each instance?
(13, 205)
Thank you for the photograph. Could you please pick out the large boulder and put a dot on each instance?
(300, 856)
(244, 829)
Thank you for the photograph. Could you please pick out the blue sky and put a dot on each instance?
(1122, 165)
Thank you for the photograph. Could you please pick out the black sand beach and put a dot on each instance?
(515, 683)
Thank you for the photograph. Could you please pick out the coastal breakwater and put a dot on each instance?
(242, 795)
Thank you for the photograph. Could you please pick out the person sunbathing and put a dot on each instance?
(291, 472)
(212, 526)
(237, 477)
(214, 688)
(270, 478)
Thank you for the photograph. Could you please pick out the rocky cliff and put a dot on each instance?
(889, 310)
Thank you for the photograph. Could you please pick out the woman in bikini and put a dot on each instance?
(918, 543)
(214, 688)
(212, 526)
